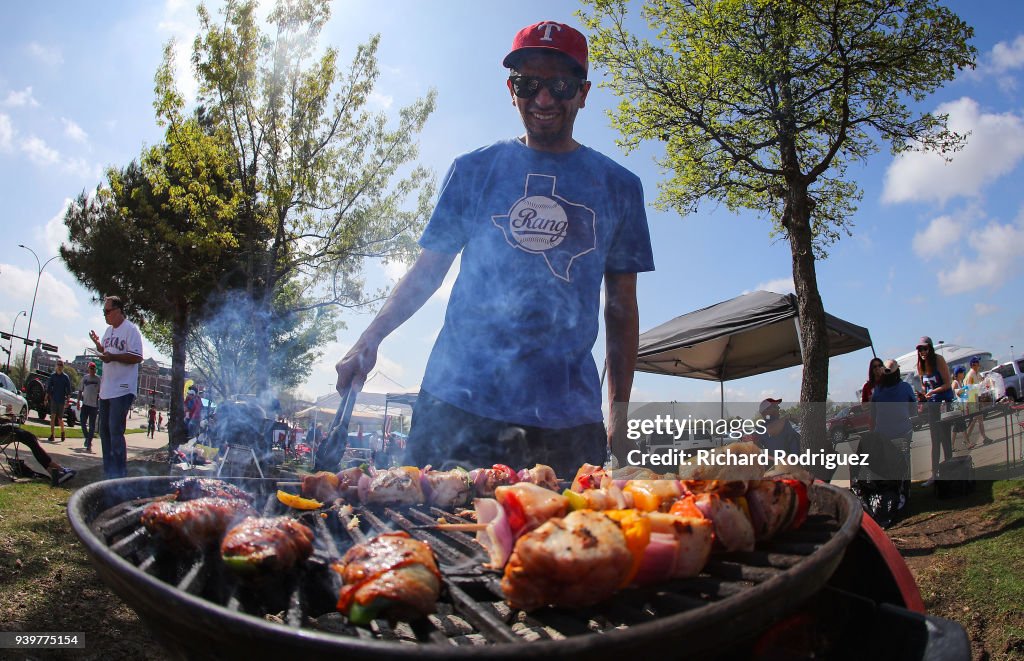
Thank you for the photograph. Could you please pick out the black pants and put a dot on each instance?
(12, 432)
(940, 433)
(446, 436)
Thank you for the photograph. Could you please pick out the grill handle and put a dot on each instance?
(329, 452)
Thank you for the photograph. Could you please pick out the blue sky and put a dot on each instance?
(937, 249)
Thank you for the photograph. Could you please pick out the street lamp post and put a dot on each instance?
(11, 347)
(32, 310)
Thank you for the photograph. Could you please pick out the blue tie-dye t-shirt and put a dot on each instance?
(537, 232)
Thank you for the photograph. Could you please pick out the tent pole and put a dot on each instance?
(799, 339)
(721, 394)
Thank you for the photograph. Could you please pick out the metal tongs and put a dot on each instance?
(329, 453)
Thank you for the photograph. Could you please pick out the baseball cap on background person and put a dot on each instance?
(768, 404)
(550, 36)
(925, 341)
(891, 367)
(975, 360)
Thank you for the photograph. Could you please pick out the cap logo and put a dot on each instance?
(547, 28)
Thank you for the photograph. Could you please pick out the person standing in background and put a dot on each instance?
(90, 404)
(875, 368)
(151, 421)
(938, 392)
(58, 393)
(975, 379)
(121, 352)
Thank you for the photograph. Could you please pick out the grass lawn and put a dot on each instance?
(43, 431)
(979, 581)
(49, 585)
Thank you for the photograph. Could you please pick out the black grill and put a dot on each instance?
(198, 608)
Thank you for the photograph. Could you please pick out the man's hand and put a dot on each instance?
(357, 363)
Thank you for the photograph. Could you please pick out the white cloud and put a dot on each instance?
(55, 298)
(1007, 56)
(43, 155)
(985, 309)
(940, 234)
(384, 101)
(778, 285)
(55, 232)
(74, 131)
(996, 260)
(21, 99)
(993, 148)
(49, 55)
(39, 152)
(6, 133)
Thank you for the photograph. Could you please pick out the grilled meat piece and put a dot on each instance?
(486, 480)
(266, 543)
(195, 523)
(395, 486)
(541, 475)
(527, 505)
(733, 529)
(392, 575)
(448, 489)
(322, 485)
(576, 561)
(190, 488)
(772, 507)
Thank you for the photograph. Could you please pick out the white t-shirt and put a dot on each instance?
(121, 379)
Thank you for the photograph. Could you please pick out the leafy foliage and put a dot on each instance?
(321, 174)
(764, 104)
(758, 100)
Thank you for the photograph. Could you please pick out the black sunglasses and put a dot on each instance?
(527, 87)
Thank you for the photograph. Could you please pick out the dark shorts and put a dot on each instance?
(56, 410)
(446, 436)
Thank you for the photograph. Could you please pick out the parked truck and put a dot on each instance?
(1013, 376)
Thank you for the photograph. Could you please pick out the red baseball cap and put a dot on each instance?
(550, 35)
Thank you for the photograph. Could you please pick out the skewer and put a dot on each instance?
(465, 527)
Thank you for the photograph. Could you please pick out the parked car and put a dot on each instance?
(1013, 378)
(11, 401)
(850, 420)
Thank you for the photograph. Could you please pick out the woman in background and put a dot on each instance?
(937, 391)
(875, 368)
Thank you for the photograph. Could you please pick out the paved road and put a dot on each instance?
(71, 452)
(921, 450)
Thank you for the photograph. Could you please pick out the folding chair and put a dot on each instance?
(11, 463)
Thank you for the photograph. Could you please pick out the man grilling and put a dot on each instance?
(540, 220)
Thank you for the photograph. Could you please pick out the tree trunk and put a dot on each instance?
(176, 416)
(813, 332)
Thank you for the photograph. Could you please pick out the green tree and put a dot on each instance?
(161, 233)
(324, 178)
(223, 346)
(763, 104)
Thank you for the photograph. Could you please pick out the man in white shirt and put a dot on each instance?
(121, 352)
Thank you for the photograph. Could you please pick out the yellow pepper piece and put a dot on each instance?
(298, 502)
(636, 528)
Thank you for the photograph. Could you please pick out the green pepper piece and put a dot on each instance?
(363, 615)
(576, 501)
(241, 564)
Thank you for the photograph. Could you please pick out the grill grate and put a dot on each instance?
(472, 612)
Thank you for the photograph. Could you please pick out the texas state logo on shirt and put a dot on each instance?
(544, 223)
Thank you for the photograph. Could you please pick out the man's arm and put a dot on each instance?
(622, 337)
(408, 296)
